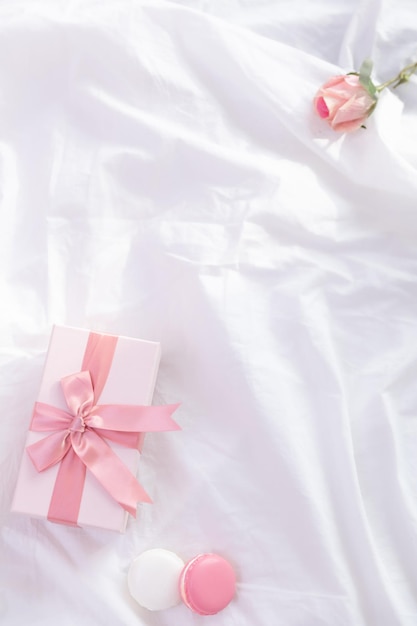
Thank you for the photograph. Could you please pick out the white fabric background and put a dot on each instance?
(162, 175)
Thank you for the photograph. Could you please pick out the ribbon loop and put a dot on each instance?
(78, 392)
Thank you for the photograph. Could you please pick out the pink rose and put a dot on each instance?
(344, 102)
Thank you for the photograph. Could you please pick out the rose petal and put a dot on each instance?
(334, 80)
(344, 91)
(348, 127)
(333, 104)
(321, 108)
(353, 109)
(353, 80)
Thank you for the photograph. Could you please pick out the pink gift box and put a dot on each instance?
(130, 381)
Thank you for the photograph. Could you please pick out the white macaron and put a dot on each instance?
(153, 579)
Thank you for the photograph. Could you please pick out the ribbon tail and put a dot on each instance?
(126, 439)
(49, 450)
(133, 418)
(68, 490)
(109, 470)
(164, 417)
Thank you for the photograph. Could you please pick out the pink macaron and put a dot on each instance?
(207, 584)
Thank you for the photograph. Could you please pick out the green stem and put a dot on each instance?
(402, 77)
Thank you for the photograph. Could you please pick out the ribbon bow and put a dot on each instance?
(82, 430)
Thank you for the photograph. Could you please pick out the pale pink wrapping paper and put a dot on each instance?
(131, 380)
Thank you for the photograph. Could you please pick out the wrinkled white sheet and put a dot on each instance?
(162, 175)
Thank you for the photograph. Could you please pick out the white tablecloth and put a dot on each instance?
(163, 176)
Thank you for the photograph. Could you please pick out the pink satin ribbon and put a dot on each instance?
(77, 439)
